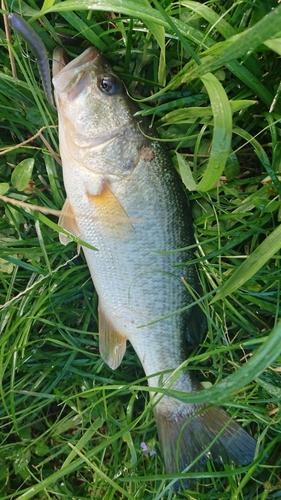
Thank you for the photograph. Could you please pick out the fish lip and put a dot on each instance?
(60, 63)
(64, 74)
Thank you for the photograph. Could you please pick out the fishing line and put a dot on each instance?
(50, 59)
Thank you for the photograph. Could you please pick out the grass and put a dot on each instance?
(208, 77)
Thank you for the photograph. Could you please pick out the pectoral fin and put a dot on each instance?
(108, 209)
(112, 344)
(67, 221)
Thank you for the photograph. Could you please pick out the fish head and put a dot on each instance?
(95, 113)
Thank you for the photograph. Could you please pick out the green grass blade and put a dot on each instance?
(141, 10)
(274, 44)
(265, 251)
(266, 354)
(107, 480)
(159, 34)
(59, 229)
(238, 46)
(222, 132)
(86, 31)
(190, 114)
(211, 16)
(47, 4)
(186, 173)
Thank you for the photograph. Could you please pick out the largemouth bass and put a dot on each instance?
(125, 198)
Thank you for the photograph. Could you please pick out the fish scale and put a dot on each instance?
(124, 197)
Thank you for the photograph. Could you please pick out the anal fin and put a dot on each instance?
(112, 344)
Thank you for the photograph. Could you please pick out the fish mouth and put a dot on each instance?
(74, 76)
(60, 62)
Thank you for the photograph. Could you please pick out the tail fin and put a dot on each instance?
(184, 438)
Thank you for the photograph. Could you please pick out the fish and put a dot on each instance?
(34, 42)
(126, 199)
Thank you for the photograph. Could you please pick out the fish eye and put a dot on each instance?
(109, 84)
